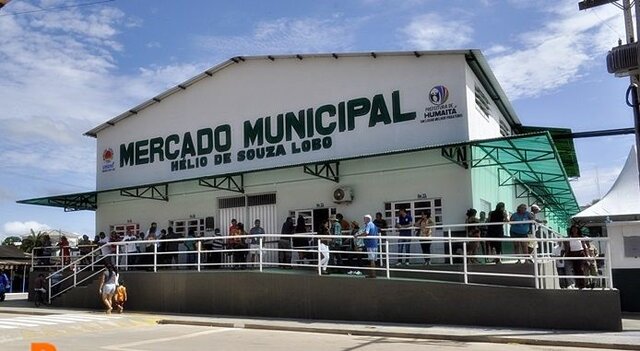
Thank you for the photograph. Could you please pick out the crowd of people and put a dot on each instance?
(353, 245)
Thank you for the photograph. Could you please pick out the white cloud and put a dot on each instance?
(594, 182)
(59, 73)
(21, 228)
(559, 52)
(495, 50)
(434, 31)
(286, 35)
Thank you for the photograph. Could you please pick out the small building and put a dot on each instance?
(617, 216)
(268, 137)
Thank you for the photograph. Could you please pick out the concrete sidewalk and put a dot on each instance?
(628, 339)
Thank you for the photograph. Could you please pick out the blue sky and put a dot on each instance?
(67, 70)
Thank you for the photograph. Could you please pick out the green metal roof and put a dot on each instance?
(70, 202)
(531, 161)
(564, 145)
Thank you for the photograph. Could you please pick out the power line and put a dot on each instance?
(57, 8)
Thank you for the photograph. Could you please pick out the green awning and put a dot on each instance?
(70, 202)
(532, 162)
(564, 146)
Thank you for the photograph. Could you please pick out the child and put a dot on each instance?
(120, 297)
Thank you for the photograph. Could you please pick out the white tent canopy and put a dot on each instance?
(623, 199)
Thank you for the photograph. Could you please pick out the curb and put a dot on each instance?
(390, 334)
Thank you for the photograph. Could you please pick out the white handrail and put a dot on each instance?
(547, 239)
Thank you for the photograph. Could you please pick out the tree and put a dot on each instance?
(33, 240)
(11, 240)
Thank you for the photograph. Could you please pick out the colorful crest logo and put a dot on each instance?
(438, 95)
(107, 155)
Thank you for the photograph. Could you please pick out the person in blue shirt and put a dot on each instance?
(404, 245)
(520, 231)
(370, 243)
(4, 284)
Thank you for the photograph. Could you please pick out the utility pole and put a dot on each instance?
(624, 60)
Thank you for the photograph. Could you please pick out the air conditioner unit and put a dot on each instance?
(342, 194)
(624, 60)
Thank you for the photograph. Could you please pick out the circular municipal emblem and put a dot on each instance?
(438, 95)
(107, 155)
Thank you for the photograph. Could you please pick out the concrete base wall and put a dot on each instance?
(628, 282)
(281, 295)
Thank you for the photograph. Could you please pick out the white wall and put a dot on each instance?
(616, 231)
(373, 180)
(258, 88)
(480, 126)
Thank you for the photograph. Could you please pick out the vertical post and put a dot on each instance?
(536, 273)
(93, 257)
(33, 255)
(319, 267)
(75, 276)
(24, 277)
(464, 260)
(117, 256)
(49, 294)
(450, 247)
(609, 282)
(260, 243)
(155, 257)
(199, 249)
(386, 244)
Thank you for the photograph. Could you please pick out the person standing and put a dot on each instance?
(473, 231)
(5, 285)
(172, 246)
(426, 230)
(577, 251)
(190, 245)
(370, 243)
(381, 223)
(499, 215)
(65, 250)
(84, 248)
(237, 242)
(130, 250)
(108, 284)
(284, 243)
(217, 245)
(323, 248)
(46, 250)
(520, 230)
(336, 243)
(404, 245)
(152, 234)
(254, 242)
(301, 243)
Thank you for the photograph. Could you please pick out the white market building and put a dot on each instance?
(275, 136)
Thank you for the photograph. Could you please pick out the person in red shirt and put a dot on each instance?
(65, 250)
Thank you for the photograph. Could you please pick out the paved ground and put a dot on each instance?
(69, 330)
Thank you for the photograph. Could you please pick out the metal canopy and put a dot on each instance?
(70, 202)
(153, 192)
(326, 170)
(231, 183)
(564, 145)
(530, 161)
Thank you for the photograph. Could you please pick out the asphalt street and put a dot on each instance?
(95, 331)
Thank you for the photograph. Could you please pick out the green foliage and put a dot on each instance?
(33, 240)
(11, 240)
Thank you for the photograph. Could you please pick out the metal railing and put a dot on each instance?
(276, 251)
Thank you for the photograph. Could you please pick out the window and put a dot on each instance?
(483, 104)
